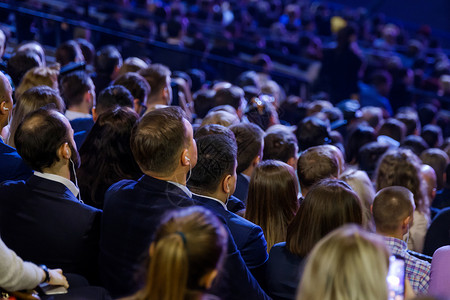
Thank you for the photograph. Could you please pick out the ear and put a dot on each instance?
(4, 110)
(207, 279)
(371, 209)
(94, 114)
(137, 106)
(292, 162)
(227, 184)
(256, 160)
(64, 151)
(405, 223)
(185, 159)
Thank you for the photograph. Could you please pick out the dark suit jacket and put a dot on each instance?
(249, 238)
(438, 234)
(81, 128)
(43, 222)
(241, 188)
(12, 166)
(131, 214)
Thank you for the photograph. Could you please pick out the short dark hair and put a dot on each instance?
(229, 96)
(107, 58)
(411, 121)
(394, 129)
(67, 52)
(20, 62)
(249, 139)
(216, 159)
(415, 143)
(210, 129)
(87, 49)
(39, 136)
(438, 160)
(158, 139)
(113, 96)
(432, 134)
(155, 75)
(369, 155)
(136, 84)
(203, 102)
(315, 164)
(279, 145)
(312, 131)
(358, 137)
(390, 206)
(73, 86)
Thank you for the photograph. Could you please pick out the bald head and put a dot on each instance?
(429, 175)
(391, 206)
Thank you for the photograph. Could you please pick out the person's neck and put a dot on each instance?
(248, 171)
(156, 101)
(178, 177)
(58, 169)
(79, 109)
(216, 195)
(398, 235)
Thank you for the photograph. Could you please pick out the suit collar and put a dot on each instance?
(50, 186)
(162, 186)
(212, 201)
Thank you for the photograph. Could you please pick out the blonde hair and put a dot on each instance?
(38, 76)
(347, 264)
(188, 245)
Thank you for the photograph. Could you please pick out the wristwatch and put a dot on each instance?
(47, 274)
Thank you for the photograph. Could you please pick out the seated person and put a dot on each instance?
(44, 210)
(393, 209)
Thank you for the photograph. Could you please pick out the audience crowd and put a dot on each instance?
(143, 182)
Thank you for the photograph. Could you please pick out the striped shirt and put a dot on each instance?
(417, 270)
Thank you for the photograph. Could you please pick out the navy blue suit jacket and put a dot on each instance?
(43, 222)
(249, 238)
(132, 212)
(12, 166)
(438, 233)
(81, 128)
(241, 191)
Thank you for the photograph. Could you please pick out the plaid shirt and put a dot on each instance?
(417, 270)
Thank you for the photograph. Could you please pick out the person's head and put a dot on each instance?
(108, 61)
(415, 143)
(250, 142)
(272, 199)
(411, 121)
(401, 167)
(45, 142)
(213, 129)
(78, 91)
(36, 76)
(31, 100)
(358, 137)
(394, 129)
(6, 102)
(438, 160)
(360, 182)
(34, 47)
(106, 154)
(215, 171)
(220, 117)
(203, 102)
(281, 144)
(432, 134)
(372, 115)
(69, 52)
(427, 114)
(138, 87)
(87, 49)
(382, 81)
(392, 211)
(3, 41)
(163, 145)
(328, 205)
(315, 164)
(132, 64)
(186, 254)
(311, 132)
(111, 97)
(369, 155)
(158, 77)
(429, 176)
(20, 63)
(348, 254)
(233, 96)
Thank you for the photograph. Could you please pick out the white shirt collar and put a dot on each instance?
(223, 204)
(183, 188)
(72, 115)
(246, 177)
(69, 184)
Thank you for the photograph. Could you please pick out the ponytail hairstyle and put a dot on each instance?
(189, 245)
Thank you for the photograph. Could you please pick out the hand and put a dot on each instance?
(57, 278)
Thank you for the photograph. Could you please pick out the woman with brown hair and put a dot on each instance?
(328, 205)
(272, 199)
(185, 256)
(401, 167)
